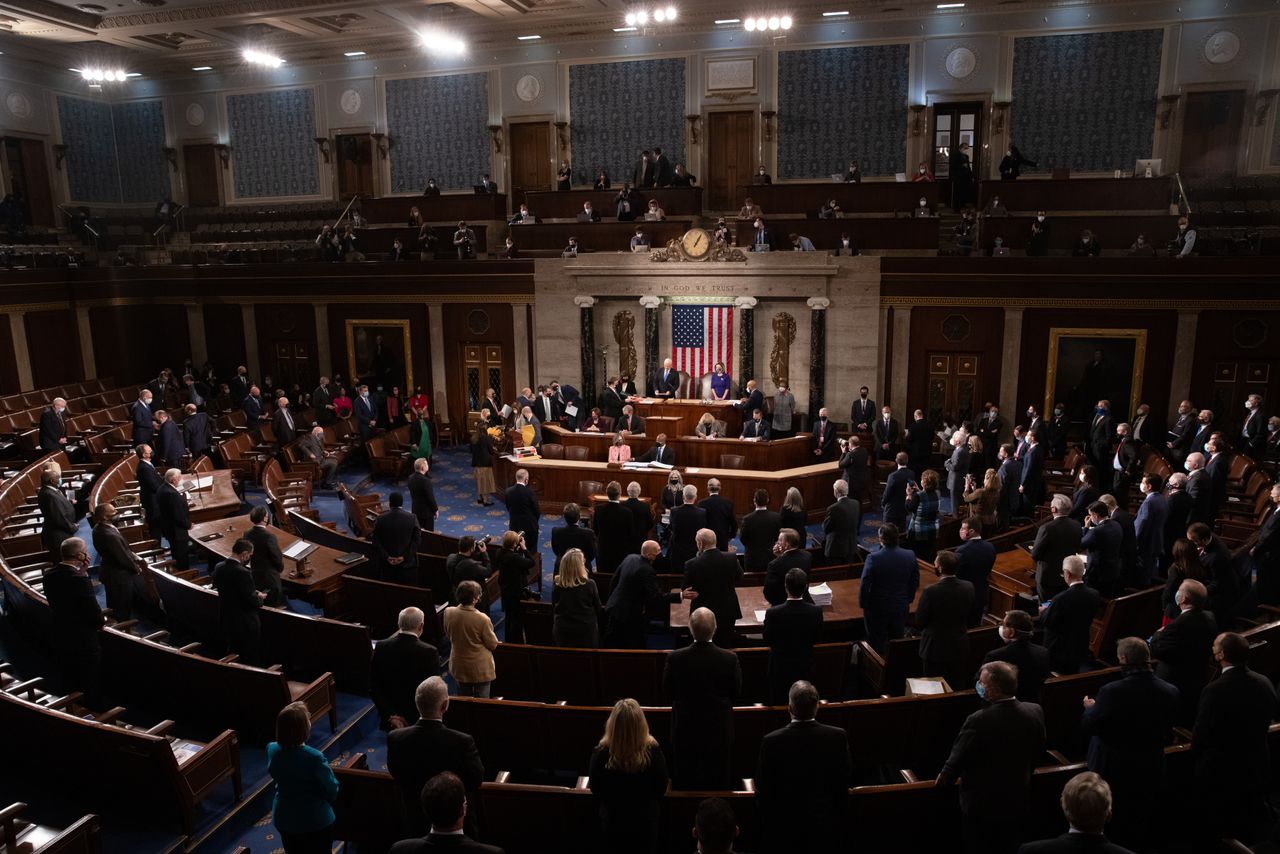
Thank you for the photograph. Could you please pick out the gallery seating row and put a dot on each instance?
(18, 834)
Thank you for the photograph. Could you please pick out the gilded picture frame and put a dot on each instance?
(388, 365)
(1124, 352)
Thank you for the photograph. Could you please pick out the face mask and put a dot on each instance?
(923, 203)
(863, 395)
(758, 223)
(1101, 410)
(1271, 428)
(1039, 219)
(1249, 406)
(922, 170)
(1182, 228)
(1006, 633)
(1031, 413)
(1084, 240)
(1187, 466)
(981, 689)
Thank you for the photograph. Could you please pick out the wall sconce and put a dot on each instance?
(768, 116)
(323, 142)
(495, 132)
(694, 121)
(59, 155)
(171, 154)
(382, 143)
(1261, 104)
(1170, 104)
(224, 154)
(917, 115)
(1000, 111)
(562, 134)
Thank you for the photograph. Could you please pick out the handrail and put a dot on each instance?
(1182, 192)
(344, 210)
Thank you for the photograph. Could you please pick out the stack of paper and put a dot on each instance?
(821, 594)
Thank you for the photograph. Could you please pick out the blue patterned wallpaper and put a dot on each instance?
(93, 172)
(439, 128)
(144, 171)
(618, 109)
(273, 149)
(1086, 101)
(842, 104)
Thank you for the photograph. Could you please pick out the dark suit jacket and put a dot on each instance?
(664, 454)
(1200, 489)
(775, 589)
(942, 618)
(1033, 476)
(862, 412)
(755, 400)
(400, 663)
(758, 534)
(59, 514)
(665, 382)
(635, 588)
(443, 842)
(920, 441)
(841, 524)
(52, 428)
(395, 534)
(1217, 469)
(140, 415)
(417, 753)
(1066, 627)
(171, 507)
(522, 506)
(1253, 435)
(802, 782)
(790, 631)
(633, 425)
(753, 429)
(1103, 544)
(197, 433)
(238, 604)
(149, 483)
(1183, 651)
(114, 554)
(1175, 526)
(1010, 503)
(1224, 584)
(169, 443)
(1229, 742)
(73, 610)
(422, 500)
(641, 522)
(824, 440)
(1032, 661)
(1129, 573)
(977, 558)
(1148, 529)
(1129, 725)
(701, 681)
(1200, 434)
(362, 411)
(285, 428)
(252, 409)
(890, 578)
(1055, 541)
(267, 563)
(565, 537)
(884, 435)
(685, 522)
(854, 470)
(720, 518)
(893, 501)
(1100, 432)
(715, 574)
(993, 757)
(1074, 843)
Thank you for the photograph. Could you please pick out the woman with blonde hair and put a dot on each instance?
(793, 513)
(977, 459)
(673, 492)
(707, 427)
(575, 603)
(305, 785)
(470, 631)
(983, 500)
(620, 451)
(628, 779)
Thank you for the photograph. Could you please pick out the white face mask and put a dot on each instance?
(1006, 633)
(1039, 219)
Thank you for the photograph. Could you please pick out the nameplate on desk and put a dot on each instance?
(208, 538)
(350, 558)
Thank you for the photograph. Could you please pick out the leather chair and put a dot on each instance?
(732, 461)
(586, 489)
(552, 451)
(572, 452)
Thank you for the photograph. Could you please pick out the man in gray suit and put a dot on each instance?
(311, 448)
(1055, 540)
(840, 525)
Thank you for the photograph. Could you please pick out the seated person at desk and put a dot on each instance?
(591, 423)
(707, 427)
(431, 189)
(830, 210)
(995, 208)
(464, 240)
(1087, 246)
(659, 453)
(564, 177)
(602, 181)
(588, 214)
(415, 217)
(853, 175)
(750, 210)
(626, 203)
(762, 177)
(571, 250)
(762, 240)
(639, 241)
(620, 451)
(629, 422)
(757, 428)
(654, 213)
(922, 173)
(1141, 248)
(682, 178)
(488, 185)
(721, 385)
(923, 210)
(666, 382)
(845, 246)
(800, 243)
(509, 250)
(522, 217)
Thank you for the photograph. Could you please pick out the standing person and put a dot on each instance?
(140, 416)
(522, 508)
(1068, 618)
(444, 803)
(1012, 162)
(58, 514)
(395, 539)
(175, 521)
(482, 463)
(75, 618)
(791, 628)
(614, 525)
(471, 634)
(197, 431)
(400, 664)
(268, 561)
(919, 441)
(977, 558)
(714, 574)
(924, 505)
(635, 590)
(893, 500)
(1030, 658)
(575, 603)
(239, 603)
(628, 776)
(840, 525)
(512, 563)
(993, 757)
(886, 432)
(1055, 540)
(419, 434)
(890, 578)
(793, 515)
(784, 407)
(943, 621)
(822, 439)
(701, 681)
(422, 495)
(117, 563)
(564, 177)
(306, 787)
(957, 466)
(853, 467)
(758, 532)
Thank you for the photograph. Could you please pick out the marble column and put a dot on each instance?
(746, 339)
(21, 352)
(901, 358)
(651, 308)
(435, 339)
(324, 357)
(1180, 372)
(87, 357)
(1008, 400)
(195, 334)
(817, 354)
(250, 321)
(587, 319)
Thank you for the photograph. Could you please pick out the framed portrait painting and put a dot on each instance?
(380, 353)
(1089, 365)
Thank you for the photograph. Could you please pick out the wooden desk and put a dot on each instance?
(1014, 573)
(1114, 232)
(844, 603)
(317, 588)
(374, 240)
(688, 411)
(867, 233)
(555, 482)
(609, 236)
(1079, 194)
(555, 204)
(867, 197)
(690, 451)
(214, 502)
(445, 208)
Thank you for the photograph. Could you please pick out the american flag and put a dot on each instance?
(701, 335)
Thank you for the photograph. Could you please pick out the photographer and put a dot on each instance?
(469, 563)
(512, 563)
(464, 240)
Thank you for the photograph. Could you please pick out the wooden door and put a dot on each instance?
(530, 151)
(201, 164)
(954, 124)
(29, 179)
(1211, 133)
(954, 387)
(481, 370)
(354, 153)
(730, 157)
(293, 364)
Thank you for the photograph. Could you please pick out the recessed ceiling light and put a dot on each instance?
(354, 53)
(441, 42)
(834, 14)
(624, 29)
(134, 74)
(74, 70)
(728, 20)
(528, 38)
(257, 57)
(202, 68)
(950, 5)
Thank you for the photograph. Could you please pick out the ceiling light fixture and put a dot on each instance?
(624, 29)
(950, 5)
(202, 68)
(354, 53)
(134, 74)
(257, 57)
(773, 22)
(100, 75)
(438, 41)
(729, 21)
(641, 17)
(834, 14)
(527, 38)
